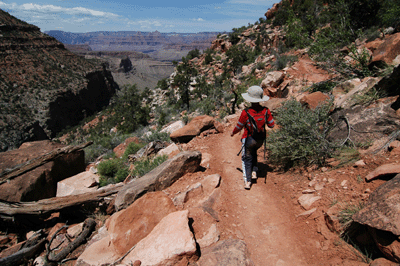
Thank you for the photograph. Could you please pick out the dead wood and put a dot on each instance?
(20, 169)
(87, 229)
(9, 210)
(28, 251)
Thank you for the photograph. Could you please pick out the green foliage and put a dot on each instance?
(127, 111)
(301, 138)
(296, 34)
(323, 86)
(108, 168)
(157, 135)
(112, 171)
(208, 58)
(362, 59)
(240, 55)
(132, 149)
(193, 54)
(389, 14)
(368, 97)
(144, 166)
(184, 73)
(282, 60)
(163, 84)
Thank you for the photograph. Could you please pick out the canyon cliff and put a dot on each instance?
(44, 87)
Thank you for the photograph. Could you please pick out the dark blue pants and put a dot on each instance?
(249, 156)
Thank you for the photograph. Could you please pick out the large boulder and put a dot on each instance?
(375, 121)
(192, 129)
(167, 244)
(159, 178)
(41, 182)
(348, 100)
(314, 99)
(127, 227)
(382, 211)
(78, 184)
(382, 214)
(388, 49)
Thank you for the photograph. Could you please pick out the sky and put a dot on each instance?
(80, 16)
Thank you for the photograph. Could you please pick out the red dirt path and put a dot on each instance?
(266, 217)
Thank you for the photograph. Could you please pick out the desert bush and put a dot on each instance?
(132, 149)
(156, 135)
(108, 168)
(142, 167)
(362, 59)
(296, 34)
(368, 97)
(302, 136)
(283, 60)
(323, 86)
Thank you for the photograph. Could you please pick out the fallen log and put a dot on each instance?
(28, 251)
(9, 210)
(20, 169)
(87, 229)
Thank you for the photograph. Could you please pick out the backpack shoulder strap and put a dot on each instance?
(252, 120)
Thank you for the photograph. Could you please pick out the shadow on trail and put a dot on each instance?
(262, 173)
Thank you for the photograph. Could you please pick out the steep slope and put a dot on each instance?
(43, 86)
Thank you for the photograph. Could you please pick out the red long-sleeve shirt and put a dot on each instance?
(244, 120)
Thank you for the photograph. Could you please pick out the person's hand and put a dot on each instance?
(232, 134)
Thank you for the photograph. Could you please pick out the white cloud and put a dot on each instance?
(198, 19)
(51, 9)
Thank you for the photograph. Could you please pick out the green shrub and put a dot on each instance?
(283, 61)
(121, 174)
(132, 149)
(144, 166)
(112, 171)
(157, 135)
(109, 168)
(362, 59)
(301, 138)
(323, 86)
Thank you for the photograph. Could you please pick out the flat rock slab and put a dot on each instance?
(383, 209)
(192, 129)
(78, 184)
(386, 169)
(169, 241)
(307, 200)
(230, 252)
(127, 227)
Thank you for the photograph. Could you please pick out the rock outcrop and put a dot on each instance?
(41, 182)
(45, 87)
(158, 179)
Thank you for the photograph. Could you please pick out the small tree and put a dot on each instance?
(182, 79)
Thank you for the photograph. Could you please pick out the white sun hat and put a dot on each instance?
(255, 94)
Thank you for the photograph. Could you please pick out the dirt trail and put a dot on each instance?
(261, 216)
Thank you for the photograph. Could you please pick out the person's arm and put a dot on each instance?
(240, 124)
(270, 119)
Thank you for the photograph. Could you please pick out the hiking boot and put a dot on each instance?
(254, 175)
(247, 184)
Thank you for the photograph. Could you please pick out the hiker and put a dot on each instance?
(253, 120)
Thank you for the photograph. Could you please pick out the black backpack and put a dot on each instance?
(257, 130)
